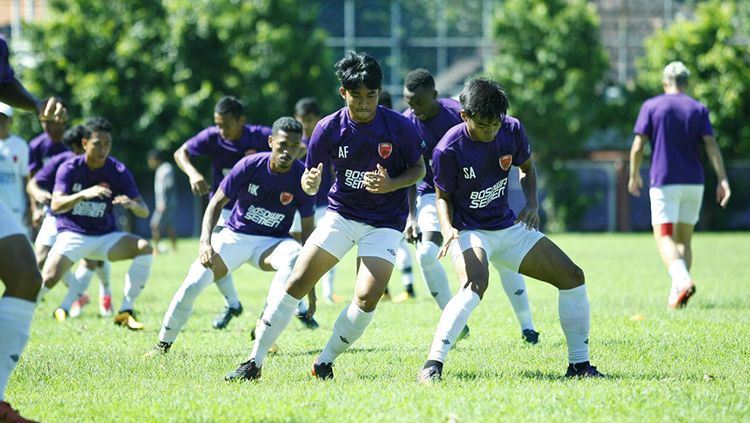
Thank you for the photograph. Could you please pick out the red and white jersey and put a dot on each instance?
(14, 167)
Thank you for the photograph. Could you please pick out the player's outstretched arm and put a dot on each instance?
(635, 182)
(723, 192)
(206, 252)
(445, 216)
(529, 215)
(62, 203)
(411, 232)
(39, 195)
(198, 183)
(135, 205)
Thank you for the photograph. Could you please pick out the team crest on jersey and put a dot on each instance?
(385, 149)
(286, 198)
(250, 151)
(506, 161)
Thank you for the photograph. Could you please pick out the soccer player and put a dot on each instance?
(266, 192)
(225, 144)
(376, 153)
(676, 125)
(403, 256)
(40, 188)
(18, 270)
(165, 197)
(14, 168)
(307, 112)
(471, 164)
(87, 187)
(433, 117)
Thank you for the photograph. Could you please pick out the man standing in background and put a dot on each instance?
(14, 171)
(165, 198)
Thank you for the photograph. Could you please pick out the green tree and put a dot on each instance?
(552, 63)
(156, 68)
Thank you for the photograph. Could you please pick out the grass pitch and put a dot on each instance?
(690, 365)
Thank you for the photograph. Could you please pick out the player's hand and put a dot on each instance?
(311, 179)
(37, 217)
(206, 255)
(411, 232)
(42, 197)
(125, 201)
(529, 217)
(378, 181)
(52, 110)
(96, 191)
(723, 192)
(635, 184)
(449, 237)
(198, 185)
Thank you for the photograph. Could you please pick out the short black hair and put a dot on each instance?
(287, 124)
(96, 124)
(419, 78)
(73, 136)
(231, 106)
(484, 98)
(355, 69)
(307, 106)
(385, 99)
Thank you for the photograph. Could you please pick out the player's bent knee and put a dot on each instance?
(144, 247)
(574, 277)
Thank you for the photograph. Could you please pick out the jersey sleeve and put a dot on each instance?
(127, 184)
(706, 128)
(318, 149)
(35, 161)
(523, 148)
(202, 143)
(412, 144)
(236, 179)
(46, 175)
(643, 125)
(445, 170)
(64, 178)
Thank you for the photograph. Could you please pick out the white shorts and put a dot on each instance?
(9, 223)
(338, 235)
(47, 232)
(297, 222)
(237, 248)
(504, 247)
(223, 217)
(76, 246)
(676, 203)
(427, 217)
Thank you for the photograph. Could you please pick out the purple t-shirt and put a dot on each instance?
(41, 148)
(431, 131)
(45, 178)
(354, 149)
(6, 72)
(475, 174)
(326, 181)
(265, 200)
(225, 154)
(92, 217)
(675, 125)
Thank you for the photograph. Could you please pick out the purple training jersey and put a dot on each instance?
(96, 216)
(6, 71)
(675, 125)
(45, 178)
(265, 200)
(475, 174)
(431, 131)
(224, 154)
(326, 181)
(41, 148)
(354, 149)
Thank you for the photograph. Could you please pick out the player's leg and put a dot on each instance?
(470, 261)
(515, 289)
(542, 259)
(691, 199)
(433, 272)
(683, 238)
(404, 264)
(155, 225)
(140, 251)
(103, 270)
(20, 275)
(665, 211)
(225, 285)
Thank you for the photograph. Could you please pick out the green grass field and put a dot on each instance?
(691, 365)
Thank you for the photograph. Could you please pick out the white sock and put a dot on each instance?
(327, 282)
(105, 288)
(680, 275)
(75, 291)
(178, 313)
(573, 308)
(515, 289)
(452, 321)
(42, 292)
(403, 262)
(433, 273)
(229, 291)
(350, 325)
(136, 279)
(83, 275)
(15, 324)
(68, 278)
(276, 317)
